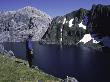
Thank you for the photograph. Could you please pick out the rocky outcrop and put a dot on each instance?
(70, 79)
(69, 28)
(2, 48)
(5, 52)
(15, 26)
(99, 20)
(98, 24)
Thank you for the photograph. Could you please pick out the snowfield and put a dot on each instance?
(82, 26)
(64, 21)
(86, 38)
(70, 22)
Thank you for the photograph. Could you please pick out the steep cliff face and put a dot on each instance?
(15, 26)
(68, 29)
(99, 23)
(95, 27)
(99, 20)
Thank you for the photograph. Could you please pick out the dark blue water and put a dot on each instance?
(85, 64)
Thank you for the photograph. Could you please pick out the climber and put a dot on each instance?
(29, 49)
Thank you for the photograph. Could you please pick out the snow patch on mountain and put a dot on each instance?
(64, 21)
(81, 25)
(86, 38)
(70, 22)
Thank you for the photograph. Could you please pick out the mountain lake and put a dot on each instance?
(85, 64)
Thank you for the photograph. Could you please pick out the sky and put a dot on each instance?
(51, 7)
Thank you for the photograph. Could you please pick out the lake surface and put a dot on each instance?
(85, 64)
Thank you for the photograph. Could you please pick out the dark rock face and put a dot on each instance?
(53, 32)
(99, 24)
(71, 33)
(99, 20)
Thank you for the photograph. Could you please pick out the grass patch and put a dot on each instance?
(11, 71)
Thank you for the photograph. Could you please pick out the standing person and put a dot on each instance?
(29, 50)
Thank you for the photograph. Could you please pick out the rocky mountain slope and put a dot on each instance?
(98, 24)
(68, 29)
(95, 27)
(15, 26)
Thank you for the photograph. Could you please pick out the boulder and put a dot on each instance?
(1, 48)
(10, 53)
(70, 79)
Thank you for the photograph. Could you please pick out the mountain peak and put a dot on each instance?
(33, 11)
(30, 7)
(24, 21)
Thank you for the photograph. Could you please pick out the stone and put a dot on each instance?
(70, 79)
(1, 48)
(10, 53)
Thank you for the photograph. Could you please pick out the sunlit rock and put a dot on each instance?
(15, 26)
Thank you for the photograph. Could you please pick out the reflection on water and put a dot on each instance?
(84, 64)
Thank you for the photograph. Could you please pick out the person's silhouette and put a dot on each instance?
(29, 50)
